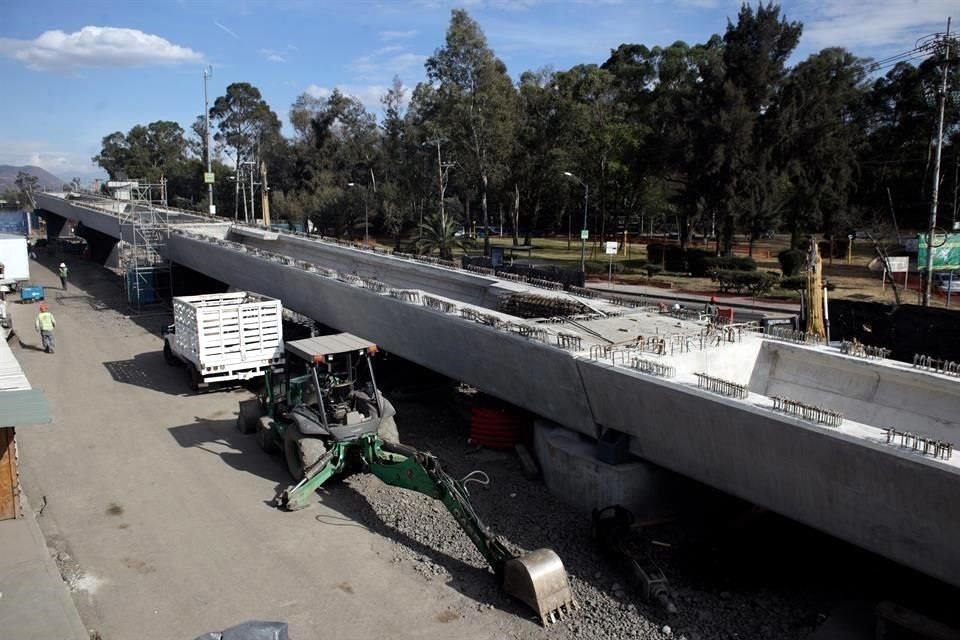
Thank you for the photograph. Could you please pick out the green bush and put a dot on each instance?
(791, 260)
(754, 282)
(730, 264)
(795, 283)
(676, 259)
(602, 268)
(634, 264)
(653, 269)
(839, 248)
(655, 253)
(697, 262)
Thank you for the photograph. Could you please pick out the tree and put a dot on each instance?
(747, 123)
(473, 104)
(821, 99)
(439, 233)
(144, 153)
(26, 184)
(246, 126)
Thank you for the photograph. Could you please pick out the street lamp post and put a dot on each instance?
(586, 198)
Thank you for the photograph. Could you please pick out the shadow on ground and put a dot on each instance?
(239, 452)
(150, 371)
(29, 347)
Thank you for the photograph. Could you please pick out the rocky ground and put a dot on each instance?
(712, 603)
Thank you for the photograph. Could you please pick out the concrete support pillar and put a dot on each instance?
(99, 244)
(55, 224)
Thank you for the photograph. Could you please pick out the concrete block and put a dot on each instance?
(573, 473)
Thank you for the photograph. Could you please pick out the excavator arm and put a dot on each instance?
(537, 578)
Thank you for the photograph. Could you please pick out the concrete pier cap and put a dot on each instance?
(572, 471)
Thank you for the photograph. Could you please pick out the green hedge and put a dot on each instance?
(697, 262)
(669, 256)
(791, 260)
(754, 282)
(796, 283)
(730, 263)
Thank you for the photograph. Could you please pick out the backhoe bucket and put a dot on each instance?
(540, 580)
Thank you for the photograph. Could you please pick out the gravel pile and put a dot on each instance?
(426, 539)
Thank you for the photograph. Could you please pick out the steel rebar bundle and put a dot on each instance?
(532, 305)
(920, 443)
(809, 412)
(721, 386)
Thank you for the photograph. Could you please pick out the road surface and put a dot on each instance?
(160, 509)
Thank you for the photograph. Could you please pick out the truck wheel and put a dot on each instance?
(300, 451)
(388, 430)
(193, 377)
(248, 415)
(264, 436)
(168, 356)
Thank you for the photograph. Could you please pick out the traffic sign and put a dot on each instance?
(208, 177)
(584, 234)
(612, 248)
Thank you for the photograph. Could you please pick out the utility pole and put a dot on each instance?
(945, 44)
(207, 74)
(441, 174)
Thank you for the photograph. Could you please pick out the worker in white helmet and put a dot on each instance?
(63, 276)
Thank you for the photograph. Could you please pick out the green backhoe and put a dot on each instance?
(329, 418)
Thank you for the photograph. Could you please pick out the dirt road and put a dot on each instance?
(159, 508)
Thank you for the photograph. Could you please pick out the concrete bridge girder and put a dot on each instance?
(844, 482)
(826, 479)
(472, 353)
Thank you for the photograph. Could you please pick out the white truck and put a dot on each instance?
(225, 336)
(14, 262)
(14, 270)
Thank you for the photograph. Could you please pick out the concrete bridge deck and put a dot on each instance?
(587, 374)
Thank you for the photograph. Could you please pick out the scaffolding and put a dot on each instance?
(146, 272)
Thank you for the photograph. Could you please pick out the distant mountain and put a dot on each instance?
(8, 177)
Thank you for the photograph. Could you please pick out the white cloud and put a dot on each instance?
(398, 35)
(884, 23)
(378, 67)
(226, 30)
(318, 92)
(272, 55)
(63, 164)
(96, 47)
(368, 95)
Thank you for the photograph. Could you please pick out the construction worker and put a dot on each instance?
(63, 276)
(45, 324)
(710, 309)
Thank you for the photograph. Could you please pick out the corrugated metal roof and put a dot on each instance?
(327, 345)
(19, 404)
(12, 377)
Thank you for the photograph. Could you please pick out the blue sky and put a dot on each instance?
(75, 70)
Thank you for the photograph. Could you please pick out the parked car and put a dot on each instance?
(947, 281)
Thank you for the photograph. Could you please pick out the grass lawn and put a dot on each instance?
(854, 280)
